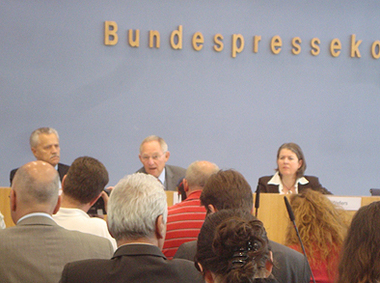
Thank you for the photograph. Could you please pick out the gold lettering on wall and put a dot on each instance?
(355, 47)
(275, 44)
(154, 36)
(256, 40)
(235, 48)
(314, 43)
(218, 39)
(198, 41)
(296, 43)
(134, 41)
(110, 35)
(335, 47)
(375, 49)
(178, 35)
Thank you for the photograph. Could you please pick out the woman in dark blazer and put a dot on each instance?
(289, 177)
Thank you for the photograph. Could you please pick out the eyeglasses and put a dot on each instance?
(154, 157)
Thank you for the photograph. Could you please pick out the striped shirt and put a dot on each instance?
(184, 222)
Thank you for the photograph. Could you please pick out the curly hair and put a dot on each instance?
(322, 227)
(360, 259)
(233, 245)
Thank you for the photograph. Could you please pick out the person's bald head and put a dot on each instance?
(34, 189)
(198, 173)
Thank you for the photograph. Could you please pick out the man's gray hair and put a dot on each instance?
(198, 172)
(163, 144)
(134, 205)
(33, 140)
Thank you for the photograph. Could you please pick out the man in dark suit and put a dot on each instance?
(36, 249)
(44, 143)
(229, 190)
(153, 155)
(137, 213)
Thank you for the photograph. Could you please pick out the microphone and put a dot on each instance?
(257, 201)
(292, 218)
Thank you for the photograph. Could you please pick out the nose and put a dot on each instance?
(54, 149)
(150, 160)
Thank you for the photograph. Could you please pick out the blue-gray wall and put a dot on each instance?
(56, 71)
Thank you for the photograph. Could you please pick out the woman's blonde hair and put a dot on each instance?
(322, 227)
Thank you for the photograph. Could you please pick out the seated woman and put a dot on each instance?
(289, 177)
(233, 247)
(322, 227)
(360, 259)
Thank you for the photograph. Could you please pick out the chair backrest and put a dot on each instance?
(375, 192)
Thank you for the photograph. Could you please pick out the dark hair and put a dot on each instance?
(227, 189)
(233, 245)
(85, 179)
(298, 152)
(360, 257)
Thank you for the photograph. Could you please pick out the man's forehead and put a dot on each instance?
(151, 147)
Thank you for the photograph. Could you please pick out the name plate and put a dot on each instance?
(347, 203)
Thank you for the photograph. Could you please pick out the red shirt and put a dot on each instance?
(185, 220)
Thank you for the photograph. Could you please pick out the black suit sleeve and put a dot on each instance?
(11, 175)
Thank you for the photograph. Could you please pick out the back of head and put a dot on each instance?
(322, 226)
(360, 259)
(198, 172)
(227, 189)
(36, 184)
(85, 179)
(161, 141)
(134, 205)
(233, 245)
(33, 140)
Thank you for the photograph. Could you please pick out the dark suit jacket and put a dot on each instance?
(270, 188)
(133, 263)
(289, 265)
(37, 249)
(62, 171)
(172, 175)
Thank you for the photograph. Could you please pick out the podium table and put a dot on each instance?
(272, 211)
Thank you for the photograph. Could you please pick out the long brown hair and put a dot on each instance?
(360, 259)
(322, 227)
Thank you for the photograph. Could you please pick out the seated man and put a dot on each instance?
(36, 249)
(185, 219)
(230, 190)
(153, 155)
(137, 213)
(44, 144)
(81, 188)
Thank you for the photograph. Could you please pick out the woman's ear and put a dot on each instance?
(269, 264)
(209, 277)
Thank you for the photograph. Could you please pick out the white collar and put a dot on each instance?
(276, 180)
(162, 177)
(35, 214)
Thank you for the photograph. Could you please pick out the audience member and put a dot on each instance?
(44, 143)
(229, 190)
(233, 247)
(137, 214)
(289, 177)
(36, 249)
(153, 155)
(81, 188)
(360, 258)
(185, 219)
(322, 227)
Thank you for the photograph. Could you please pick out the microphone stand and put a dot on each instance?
(292, 218)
